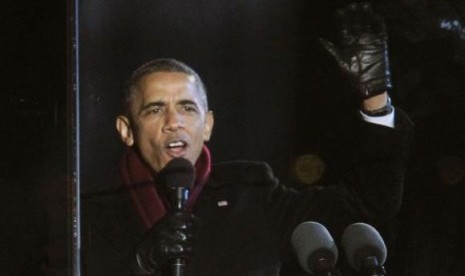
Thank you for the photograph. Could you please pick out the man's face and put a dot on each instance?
(169, 119)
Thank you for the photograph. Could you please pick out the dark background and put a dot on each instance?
(276, 95)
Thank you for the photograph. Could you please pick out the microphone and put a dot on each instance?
(315, 248)
(178, 177)
(364, 249)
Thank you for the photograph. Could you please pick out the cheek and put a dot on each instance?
(148, 136)
(199, 131)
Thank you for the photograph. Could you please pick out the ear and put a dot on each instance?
(209, 121)
(124, 129)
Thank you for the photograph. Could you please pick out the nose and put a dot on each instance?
(173, 121)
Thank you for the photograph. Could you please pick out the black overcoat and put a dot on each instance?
(246, 216)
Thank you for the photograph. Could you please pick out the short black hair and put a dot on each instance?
(161, 65)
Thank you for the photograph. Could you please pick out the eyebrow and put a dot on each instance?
(152, 104)
(162, 103)
(187, 102)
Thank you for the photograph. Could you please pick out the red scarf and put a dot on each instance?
(140, 182)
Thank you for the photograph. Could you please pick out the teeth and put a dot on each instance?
(176, 144)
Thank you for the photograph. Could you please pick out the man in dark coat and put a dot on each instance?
(238, 219)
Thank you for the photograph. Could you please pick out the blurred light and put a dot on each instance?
(453, 26)
(457, 29)
(308, 169)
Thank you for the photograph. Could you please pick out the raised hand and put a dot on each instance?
(363, 52)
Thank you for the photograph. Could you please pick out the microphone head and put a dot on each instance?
(361, 241)
(314, 246)
(178, 173)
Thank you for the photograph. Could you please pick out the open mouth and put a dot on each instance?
(176, 147)
(176, 144)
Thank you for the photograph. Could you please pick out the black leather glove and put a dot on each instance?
(363, 54)
(172, 237)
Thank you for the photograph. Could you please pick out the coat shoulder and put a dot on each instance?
(241, 171)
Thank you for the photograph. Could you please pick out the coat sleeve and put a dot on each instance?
(370, 190)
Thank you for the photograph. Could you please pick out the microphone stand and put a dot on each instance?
(332, 272)
(371, 267)
(179, 196)
(178, 267)
(324, 268)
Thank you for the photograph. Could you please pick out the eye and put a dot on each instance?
(190, 109)
(153, 110)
